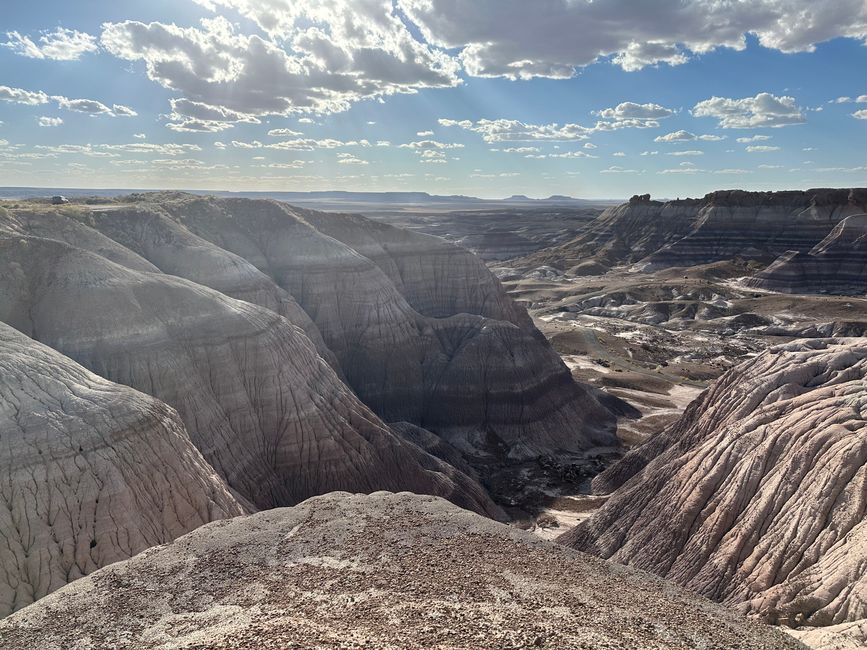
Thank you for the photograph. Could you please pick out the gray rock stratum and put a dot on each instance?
(756, 496)
(379, 571)
(91, 472)
(838, 264)
(419, 328)
(266, 411)
(721, 226)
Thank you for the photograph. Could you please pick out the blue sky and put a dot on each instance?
(599, 100)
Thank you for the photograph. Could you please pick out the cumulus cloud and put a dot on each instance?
(686, 136)
(283, 133)
(763, 110)
(431, 144)
(626, 111)
(89, 106)
(59, 45)
(640, 55)
(503, 130)
(690, 152)
(21, 96)
(499, 37)
(860, 115)
(319, 57)
(350, 159)
(49, 121)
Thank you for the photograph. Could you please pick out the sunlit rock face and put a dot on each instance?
(385, 571)
(756, 497)
(838, 264)
(266, 411)
(92, 472)
(721, 226)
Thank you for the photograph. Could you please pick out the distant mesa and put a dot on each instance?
(837, 264)
(721, 226)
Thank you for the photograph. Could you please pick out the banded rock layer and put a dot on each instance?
(91, 473)
(757, 496)
(723, 225)
(381, 571)
(417, 327)
(266, 411)
(838, 264)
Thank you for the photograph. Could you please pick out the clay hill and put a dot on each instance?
(378, 571)
(93, 472)
(251, 355)
(723, 225)
(838, 264)
(755, 497)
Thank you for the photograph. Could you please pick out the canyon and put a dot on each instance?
(675, 387)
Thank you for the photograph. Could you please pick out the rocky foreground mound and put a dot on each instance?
(378, 571)
(838, 264)
(721, 226)
(756, 496)
(92, 473)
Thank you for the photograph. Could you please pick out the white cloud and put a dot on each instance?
(431, 144)
(140, 136)
(754, 138)
(519, 150)
(501, 37)
(21, 96)
(590, 145)
(770, 166)
(690, 152)
(619, 154)
(319, 57)
(424, 134)
(686, 136)
(633, 111)
(49, 121)
(89, 106)
(283, 133)
(59, 45)
(123, 111)
(640, 55)
(763, 110)
(299, 144)
(761, 148)
(732, 171)
(503, 130)
(860, 115)
(572, 154)
(614, 169)
(350, 159)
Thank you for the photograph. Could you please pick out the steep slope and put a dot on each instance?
(838, 264)
(418, 328)
(723, 225)
(91, 473)
(264, 409)
(756, 497)
(379, 571)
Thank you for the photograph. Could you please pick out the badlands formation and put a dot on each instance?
(270, 354)
(378, 571)
(706, 425)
